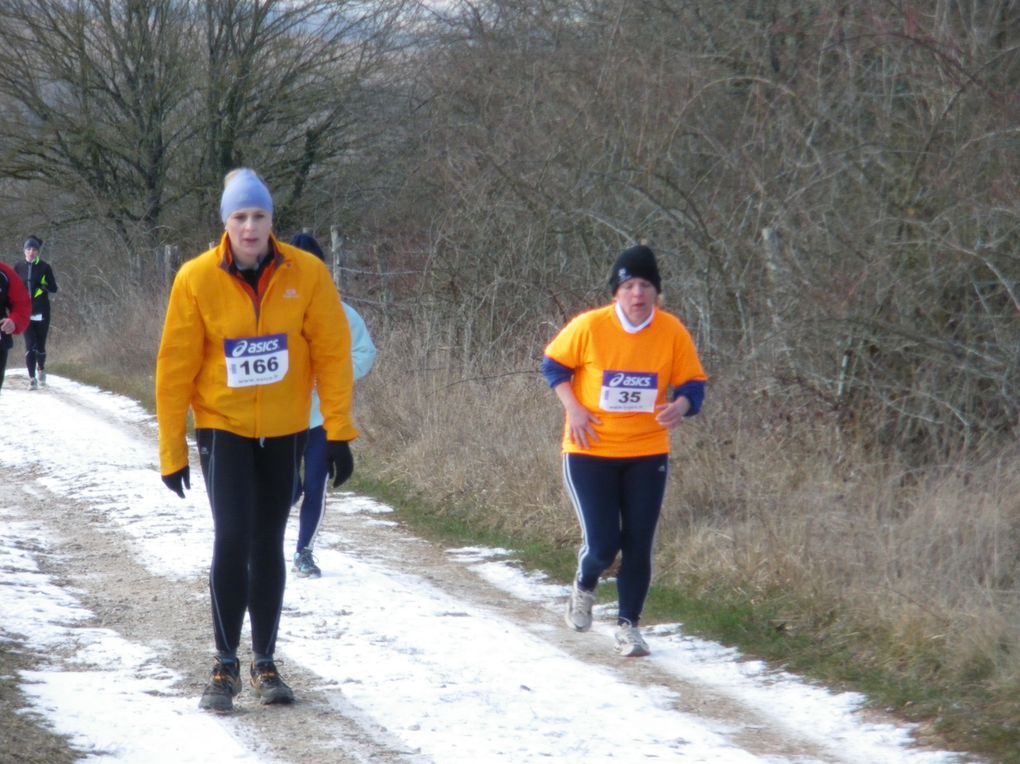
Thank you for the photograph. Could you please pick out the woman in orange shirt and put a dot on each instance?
(627, 374)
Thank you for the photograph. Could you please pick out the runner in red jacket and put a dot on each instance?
(15, 310)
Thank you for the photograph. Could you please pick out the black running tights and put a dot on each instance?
(35, 345)
(251, 483)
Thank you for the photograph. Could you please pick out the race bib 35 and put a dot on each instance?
(627, 391)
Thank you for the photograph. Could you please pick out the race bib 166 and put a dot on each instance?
(256, 360)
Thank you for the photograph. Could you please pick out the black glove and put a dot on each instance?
(178, 481)
(339, 461)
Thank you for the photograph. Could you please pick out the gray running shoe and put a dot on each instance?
(42, 377)
(578, 615)
(267, 684)
(33, 384)
(224, 684)
(304, 564)
(629, 642)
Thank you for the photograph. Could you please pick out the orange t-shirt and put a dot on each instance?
(622, 377)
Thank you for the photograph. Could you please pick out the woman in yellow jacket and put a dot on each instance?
(251, 324)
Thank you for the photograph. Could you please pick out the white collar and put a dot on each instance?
(627, 325)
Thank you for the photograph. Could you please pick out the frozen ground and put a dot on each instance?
(401, 652)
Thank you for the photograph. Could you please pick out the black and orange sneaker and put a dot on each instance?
(224, 684)
(267, 683)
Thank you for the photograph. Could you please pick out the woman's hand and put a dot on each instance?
(670, 415)
(582, 425)
(581, 421)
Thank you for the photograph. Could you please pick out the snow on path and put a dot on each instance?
(449, 680)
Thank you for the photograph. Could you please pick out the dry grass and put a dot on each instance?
(910, 576)
(110, 344)
(761, 504)
(929, 558)
(469, 440)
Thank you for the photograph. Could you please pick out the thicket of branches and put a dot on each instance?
(128, 113)
(830, 186)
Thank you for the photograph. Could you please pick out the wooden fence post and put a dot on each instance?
(337, 252)
(171, 258)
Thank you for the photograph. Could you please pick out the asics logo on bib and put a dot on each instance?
(248, 347)
(620, 379)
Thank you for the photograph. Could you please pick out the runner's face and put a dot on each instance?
(636, 298)
(248, 231)
(31, 253)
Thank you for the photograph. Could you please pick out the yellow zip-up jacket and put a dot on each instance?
(210, 308)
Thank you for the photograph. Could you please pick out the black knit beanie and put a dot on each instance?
(308, 243)
(636, 262)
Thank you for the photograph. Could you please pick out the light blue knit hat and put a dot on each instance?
(243, 191)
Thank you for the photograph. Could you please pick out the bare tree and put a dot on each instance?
(284, 87)
(868, 143)
(135, 109)
(93, 94)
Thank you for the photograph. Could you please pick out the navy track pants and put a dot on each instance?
(618, 502)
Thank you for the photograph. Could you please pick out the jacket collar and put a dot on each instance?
(226, 256)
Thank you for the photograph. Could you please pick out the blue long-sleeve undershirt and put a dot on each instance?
(556, 373)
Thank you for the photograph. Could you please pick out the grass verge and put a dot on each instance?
(138, 388)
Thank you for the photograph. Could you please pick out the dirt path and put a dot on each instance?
(92, 558)
(146, 609)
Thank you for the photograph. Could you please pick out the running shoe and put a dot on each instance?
(33, 384)
(42, 377)
(267, 684)
(224, 684)
(629, 642)
(578, 616)
(304, 564)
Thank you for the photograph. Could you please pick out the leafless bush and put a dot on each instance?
(467, 438)
(828, 188)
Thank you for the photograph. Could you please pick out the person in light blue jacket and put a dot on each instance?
(313, 504)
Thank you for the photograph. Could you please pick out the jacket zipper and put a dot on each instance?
(260, 299)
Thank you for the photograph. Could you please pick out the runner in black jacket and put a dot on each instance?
(40, 282)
